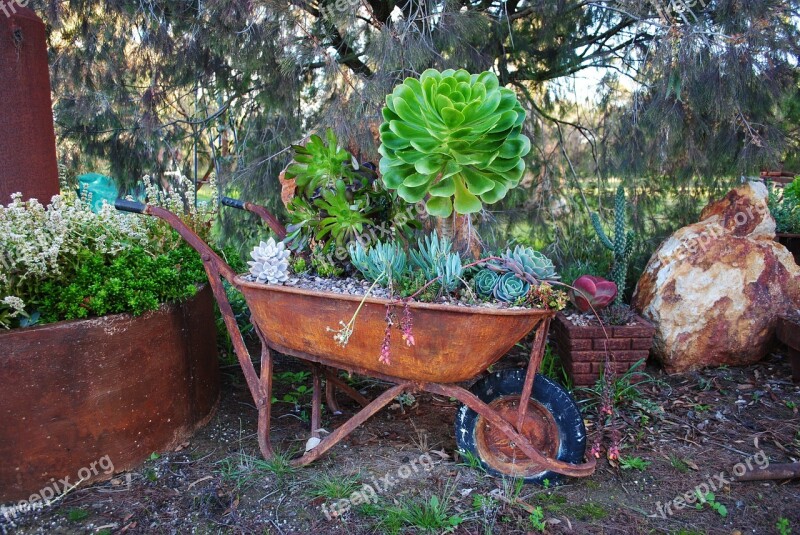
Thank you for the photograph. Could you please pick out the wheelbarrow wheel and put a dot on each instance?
(553, 425)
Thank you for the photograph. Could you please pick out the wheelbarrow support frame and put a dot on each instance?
(260, 386)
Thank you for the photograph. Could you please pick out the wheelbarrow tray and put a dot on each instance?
(452, 343)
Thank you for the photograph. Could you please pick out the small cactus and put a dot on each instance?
(270, 262)
(621, 246)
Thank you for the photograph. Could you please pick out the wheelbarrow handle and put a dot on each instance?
(124, 205)
(262, 212)
(233, 203)
(215, 268)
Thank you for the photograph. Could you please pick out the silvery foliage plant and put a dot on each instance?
(270, 262)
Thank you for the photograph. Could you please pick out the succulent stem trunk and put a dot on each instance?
(461, 232)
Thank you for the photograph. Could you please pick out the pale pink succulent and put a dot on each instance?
(592, 292)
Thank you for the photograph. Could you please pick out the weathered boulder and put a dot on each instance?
(714, 289)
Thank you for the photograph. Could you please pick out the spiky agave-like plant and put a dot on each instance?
(435, 259)
(455, 137)
(382, 263)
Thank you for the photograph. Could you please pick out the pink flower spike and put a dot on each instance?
(407, 326)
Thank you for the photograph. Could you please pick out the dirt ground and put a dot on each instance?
(678, 433)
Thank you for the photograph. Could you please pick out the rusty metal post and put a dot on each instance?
(27, 138)
(265, 408)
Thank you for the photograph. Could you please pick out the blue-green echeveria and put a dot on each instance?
(485, 281)
(510, 288)
(454, 136)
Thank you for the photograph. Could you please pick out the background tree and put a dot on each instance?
(695, 93)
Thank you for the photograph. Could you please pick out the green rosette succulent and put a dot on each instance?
(454, 137)
(485, 281)
(320, 164)
(510, 288)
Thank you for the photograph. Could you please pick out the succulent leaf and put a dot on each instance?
(435, 259)
(319, 164)
(529, 264)
(384, 262)
(485, 281)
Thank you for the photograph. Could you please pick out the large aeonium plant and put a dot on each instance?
(455, 137)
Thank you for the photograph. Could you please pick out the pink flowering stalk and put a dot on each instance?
(387, 338)
(606, 417)
(407, 325)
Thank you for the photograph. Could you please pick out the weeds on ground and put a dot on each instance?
(783, 526)
(553, 368)
(470, 460)
(678, 463)
(431, 515)
(537, 520)
(626, 389)
(333, 487)
(633, 463)
(709, 499)
(242, 469)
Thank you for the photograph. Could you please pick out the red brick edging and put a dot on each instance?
(583, 349)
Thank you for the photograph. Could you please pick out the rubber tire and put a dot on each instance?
(547, 392)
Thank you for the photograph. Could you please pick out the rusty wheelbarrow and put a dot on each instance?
(542, 438)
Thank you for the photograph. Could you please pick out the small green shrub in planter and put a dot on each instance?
(63, 262)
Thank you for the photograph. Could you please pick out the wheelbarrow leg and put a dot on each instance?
(316, 403)
(330, 396)
(265, 409)
(350, 425)
(334, 382)
(537, 354)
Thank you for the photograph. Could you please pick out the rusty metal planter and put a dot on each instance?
(452, 344)
(788, 332)
(583, 349)
(117, 386)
